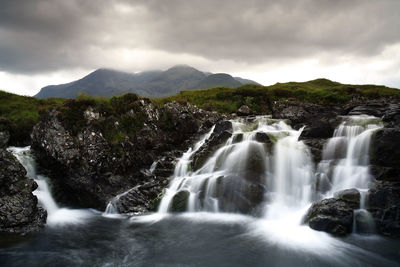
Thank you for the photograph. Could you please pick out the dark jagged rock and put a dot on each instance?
(385, 150)
(222, 132)
(262, 138)
(88, 170)
(331, 215)
(180, 201)
(19, 212)
(384, 204)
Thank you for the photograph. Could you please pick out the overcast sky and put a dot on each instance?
(46, 42)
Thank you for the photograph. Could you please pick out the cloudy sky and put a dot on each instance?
(46, 42)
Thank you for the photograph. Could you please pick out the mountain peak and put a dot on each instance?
(109, 82)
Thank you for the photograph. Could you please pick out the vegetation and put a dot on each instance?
(259, 98)
(18, 114)
(122, 115)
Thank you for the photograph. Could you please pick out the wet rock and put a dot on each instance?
(222, 132)
(334, 216)
(88, 170)
(262, 138)
(19, 212)
(244, 111)
(385, 148)
(179, 201)
(350, 195)
(374, 108)
(384, 205)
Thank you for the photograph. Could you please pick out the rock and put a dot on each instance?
(334, 216)
(222, 132)
(385, 148)
(384, 205)
(262, 138)
(244, 111)
(374, 108)
(19, 212)
(180, 201)
(4, 138)
(88, 170)
(350, 195)
(392, 116)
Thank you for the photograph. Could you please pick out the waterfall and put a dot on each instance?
(241, 169)
(345, 163)
(55, 214)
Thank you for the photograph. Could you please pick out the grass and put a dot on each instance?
(18, 114)
(260, 98)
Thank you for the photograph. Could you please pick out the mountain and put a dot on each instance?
(107, 82)
(219, 79)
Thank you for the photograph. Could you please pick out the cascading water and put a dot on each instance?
(345, 162)
(241, 169)
(55, 214)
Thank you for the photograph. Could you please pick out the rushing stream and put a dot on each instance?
(213, 232)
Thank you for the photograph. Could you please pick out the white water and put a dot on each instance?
(287, 171)
(55, 214)
(345, 162)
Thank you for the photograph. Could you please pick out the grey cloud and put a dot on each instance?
(43, 35)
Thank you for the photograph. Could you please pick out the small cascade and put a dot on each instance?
(345, 164)
(55, 214)
(290, 182)
(235, 176)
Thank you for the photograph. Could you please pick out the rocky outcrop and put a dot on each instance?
(221, 133)
(384, 196)
(89, 170)
(19, 212)
(334, 215)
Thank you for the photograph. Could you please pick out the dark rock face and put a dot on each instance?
(331, 215)
(180, 201)
(384, 204)
(262, 138)
(89, 171)
(222, 132)
(19, 212)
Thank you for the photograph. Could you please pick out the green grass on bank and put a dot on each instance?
(18, 114)
(259, 98)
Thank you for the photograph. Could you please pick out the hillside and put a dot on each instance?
(18, 114)
(260, 98)
(105, 82)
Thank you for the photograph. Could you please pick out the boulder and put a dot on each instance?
(351, 195)
(19, 212)
(179, 201)
(332, 215)
(244, 111)
(262, 138)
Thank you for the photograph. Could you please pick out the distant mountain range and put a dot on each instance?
(106, 82)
